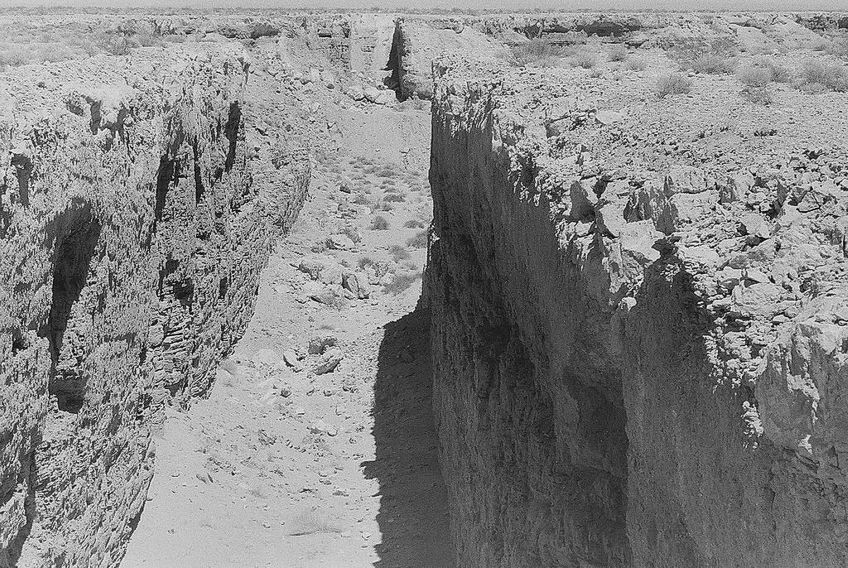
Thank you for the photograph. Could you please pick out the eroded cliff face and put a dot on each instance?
(639, 349)
(137, 207)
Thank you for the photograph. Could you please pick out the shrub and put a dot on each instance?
(838, 47)
(13, 58)
(712, 64)
(401, 282)
(418, 241)
(536, 53)
(387, 172)
(779, 73)
(817, 77)
(636, 64)
(617, 52)
(379, 223)
(754, 76)
(415, 224)
(674, 84)
(362, 199)
(761, 72)
(115, 44)
(585, 59)
(398, 253)
(394, 198)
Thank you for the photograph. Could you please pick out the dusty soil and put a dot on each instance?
(285, 467)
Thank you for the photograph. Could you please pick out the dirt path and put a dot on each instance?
(285, 466)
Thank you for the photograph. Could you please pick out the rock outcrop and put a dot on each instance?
(417, 42)
(137, 207)
(639, 325)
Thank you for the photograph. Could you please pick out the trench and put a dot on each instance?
(282, 465)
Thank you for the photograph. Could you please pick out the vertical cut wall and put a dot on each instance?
(606, 395)
(136, 212)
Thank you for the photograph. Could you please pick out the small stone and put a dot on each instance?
(328, 361)
(340, 242)
(290, 359)
(319, 343)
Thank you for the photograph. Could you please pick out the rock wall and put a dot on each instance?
(417, 42)
(137, 207)
(639, 351)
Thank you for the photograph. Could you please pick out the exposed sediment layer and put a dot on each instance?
(639, 322)
(136, 212)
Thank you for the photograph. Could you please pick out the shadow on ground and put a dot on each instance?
(413, 515)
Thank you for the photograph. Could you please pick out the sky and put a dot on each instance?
(554, 5)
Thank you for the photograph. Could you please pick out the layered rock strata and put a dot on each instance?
(137, 207)
(639, 321)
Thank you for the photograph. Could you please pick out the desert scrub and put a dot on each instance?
(779, 73)
(387, 171)
(379, 223)
(401, 282)
(418, 241)
(536, 53)
(838, 47)
(752, 75)
(585, 59)
(674, 84)
(636, 64)
(711, 64)
(394, 198)
(817, 77)
(617, 52)
(415, 224)
(761, 72)
(398, 253)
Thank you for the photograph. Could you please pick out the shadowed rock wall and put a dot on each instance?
(639, 356)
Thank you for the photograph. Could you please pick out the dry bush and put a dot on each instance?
(115, 44)
(585, 59)
(752, 75)
(379, 223)
(636, 64)
(13, 57)
(398, 253)
(415, 224)
(673, 84)
(817, 77)
(838, 47)
(536, 53)
(617, 52)
(361, 199)
(711, 64)
(401, 282)
(761, 72)
(779, 73)
(387, 171)
(418, 241)
(394, 198)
